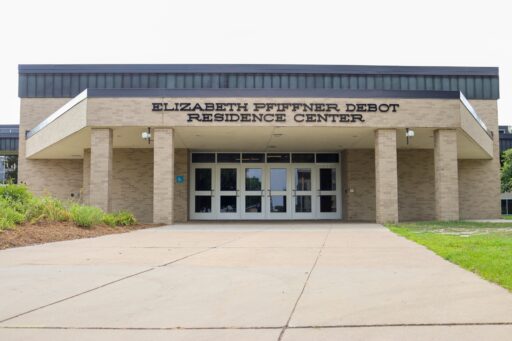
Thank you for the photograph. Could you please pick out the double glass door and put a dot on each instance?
(265, 191)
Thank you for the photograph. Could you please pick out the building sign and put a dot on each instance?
(274, 112)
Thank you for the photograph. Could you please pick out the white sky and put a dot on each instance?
(386, 32)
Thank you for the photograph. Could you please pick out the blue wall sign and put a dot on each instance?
(180, 179)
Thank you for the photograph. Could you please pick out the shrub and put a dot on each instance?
(46, 208)
(124, 218)
(121, 218)
(9, 217)
(109, 219)
(15, 194)
(86, 216)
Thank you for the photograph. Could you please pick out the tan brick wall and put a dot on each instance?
(86, 176)
(100, 188)
(479, 182)
(358, 172)
(61, 178)
(163, 176)
(181, 190)
(386, 177)
(416, 184)
(132, 188)
(446, 175)
(132, 182)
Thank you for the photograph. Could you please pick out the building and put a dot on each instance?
(9, 152)
(505, 138)
(174, 143)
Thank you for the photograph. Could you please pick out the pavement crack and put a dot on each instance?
(124, 278)
(281, 334)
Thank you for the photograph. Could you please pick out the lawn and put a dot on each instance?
(483, 248)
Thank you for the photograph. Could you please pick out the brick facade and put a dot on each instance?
(100, 187)
(163, 176)
(446, 175)
(386, 178)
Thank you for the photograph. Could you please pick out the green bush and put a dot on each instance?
(109, 219)
(15, 194)
(18, 205)
(47, 208)
(121, 218)
(9, 217)
(86, 216)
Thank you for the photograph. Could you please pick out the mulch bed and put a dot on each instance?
(43, 232)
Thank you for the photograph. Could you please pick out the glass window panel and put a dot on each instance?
(228, 157)
(303, 203)
(228, 203)
(303, 158)
(303, 179)
(278, 158)
(228, 179)
(203, 203)
(327, 158)
(277, 203)
(509, 206)
(203, 179)
(253, 178)
(278, 179)
(253, 204)
(253, 158)
(203, 157)
(327, 179)
(327, 203)
(503, 206)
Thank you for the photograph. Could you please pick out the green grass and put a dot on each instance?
(483, 248)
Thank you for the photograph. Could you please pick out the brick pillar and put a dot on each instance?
(446, 175)
(163, 175)
(86, 176)
(101, 168)
(386, 181)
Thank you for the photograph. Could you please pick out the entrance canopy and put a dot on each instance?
(261, 120)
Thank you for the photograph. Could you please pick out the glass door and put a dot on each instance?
(202, 196)
(328, 198)
(278, 192)
(253, 192)
(228, 192)
(302, 192)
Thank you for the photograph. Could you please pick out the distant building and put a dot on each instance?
(9, 137)
(505, 138)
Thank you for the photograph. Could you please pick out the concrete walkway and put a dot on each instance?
(245, 282)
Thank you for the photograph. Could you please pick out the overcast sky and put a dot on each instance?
(390, 32)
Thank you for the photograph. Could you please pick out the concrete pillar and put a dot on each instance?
(386, 181)
(163, 175)
(446, 174)
(101, 168)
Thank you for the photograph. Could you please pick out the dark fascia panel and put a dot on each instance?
(286, 93)
(259, 69)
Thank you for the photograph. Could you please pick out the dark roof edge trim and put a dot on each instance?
(279, 93)
(260, 69)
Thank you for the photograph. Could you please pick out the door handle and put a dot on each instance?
(262, 192)
(269, 193)
(294, 192)
(212, 192)
(237, 192)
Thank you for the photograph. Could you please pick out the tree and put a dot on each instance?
(506, 171)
